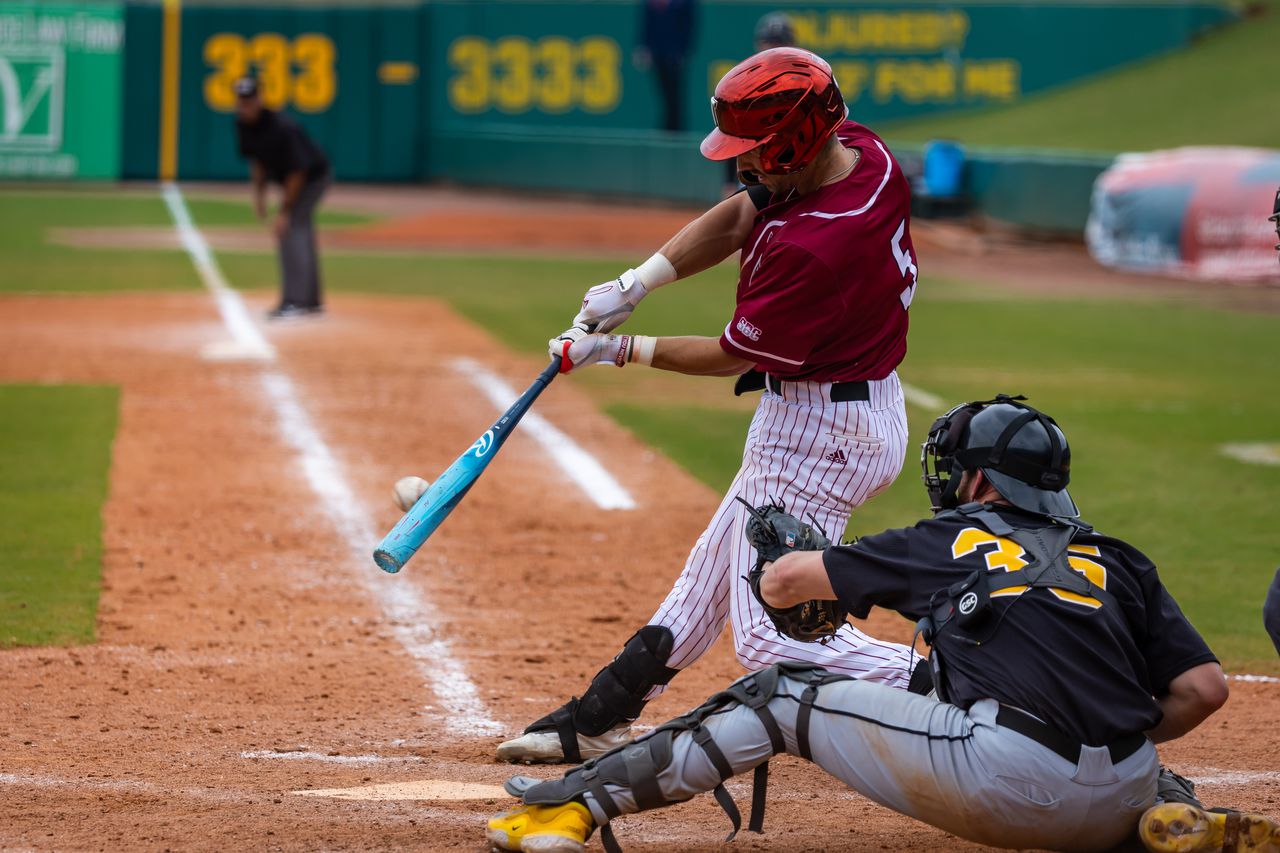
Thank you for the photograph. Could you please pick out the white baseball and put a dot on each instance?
(408, 490)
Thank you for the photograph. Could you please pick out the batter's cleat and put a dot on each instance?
(542, 829)
(1182, 828)
(545, 747)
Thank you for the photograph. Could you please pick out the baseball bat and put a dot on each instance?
(435, 504)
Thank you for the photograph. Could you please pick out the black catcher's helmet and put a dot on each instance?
(1022, 452)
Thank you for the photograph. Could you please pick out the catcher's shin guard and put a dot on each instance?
(636, 766)
(616, 694)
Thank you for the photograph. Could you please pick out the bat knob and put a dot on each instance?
(387, 562)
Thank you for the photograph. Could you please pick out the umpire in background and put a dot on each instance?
(279, 151)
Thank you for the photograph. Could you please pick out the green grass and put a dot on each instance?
(1220, 91)
(32, 263)
(55, 451)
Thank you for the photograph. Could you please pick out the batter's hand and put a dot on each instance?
(606, 306)
(576, 348)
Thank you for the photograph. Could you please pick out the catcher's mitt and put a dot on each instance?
(772, 532)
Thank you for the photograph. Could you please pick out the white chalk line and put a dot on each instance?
(246, 338)
(123, 786)
(411, 616)
(921, 398)
(326, 758)
(1254, 453)
(1262, 679)
(431, 790)
(1228, 778)
(580, 466)
(168, 792)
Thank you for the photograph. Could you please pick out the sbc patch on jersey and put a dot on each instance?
(747, 329)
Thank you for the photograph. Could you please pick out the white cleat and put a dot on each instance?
(544, 747)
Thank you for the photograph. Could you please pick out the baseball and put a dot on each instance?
(408, 490)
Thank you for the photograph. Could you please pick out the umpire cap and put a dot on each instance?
(774, 30)
(246, 86)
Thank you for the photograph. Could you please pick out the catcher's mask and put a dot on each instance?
(1021, 451)
(784, 102)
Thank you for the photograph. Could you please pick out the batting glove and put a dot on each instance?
(606, 306)
(575, 348)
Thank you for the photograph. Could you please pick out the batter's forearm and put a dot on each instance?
(712, 237)
(696, 356)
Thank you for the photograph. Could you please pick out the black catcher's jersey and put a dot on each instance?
(281, 146)
(1087, 665)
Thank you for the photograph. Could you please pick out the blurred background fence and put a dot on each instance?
(532, 93)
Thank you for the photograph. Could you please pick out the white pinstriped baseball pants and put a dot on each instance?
(818, 458)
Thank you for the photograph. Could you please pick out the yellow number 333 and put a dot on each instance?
(310, 88)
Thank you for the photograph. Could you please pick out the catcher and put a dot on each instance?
(1057, 654)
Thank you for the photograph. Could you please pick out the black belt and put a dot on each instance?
(841, 392)
(1065, 745)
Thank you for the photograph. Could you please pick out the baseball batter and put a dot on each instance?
(827, 275)
(1050, 644)
(1271, 605)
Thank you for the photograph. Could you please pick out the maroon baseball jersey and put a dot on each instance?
(826, 278)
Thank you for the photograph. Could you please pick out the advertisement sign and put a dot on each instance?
(1198, 212)
(60, 74)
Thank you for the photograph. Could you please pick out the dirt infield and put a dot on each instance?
(246, 649)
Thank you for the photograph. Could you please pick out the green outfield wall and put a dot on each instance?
(541, 94)
(349, 74)
(393, 92)
(572, 63)
(60, 90)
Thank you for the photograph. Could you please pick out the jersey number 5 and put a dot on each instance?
(906, 265)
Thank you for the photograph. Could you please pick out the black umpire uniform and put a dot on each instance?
(280, 152)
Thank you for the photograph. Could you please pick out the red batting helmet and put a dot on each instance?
(784, 101)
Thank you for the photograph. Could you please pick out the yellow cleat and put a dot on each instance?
(1180, 828)
(542, 829)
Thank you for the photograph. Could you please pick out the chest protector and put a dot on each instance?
(963, 611)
